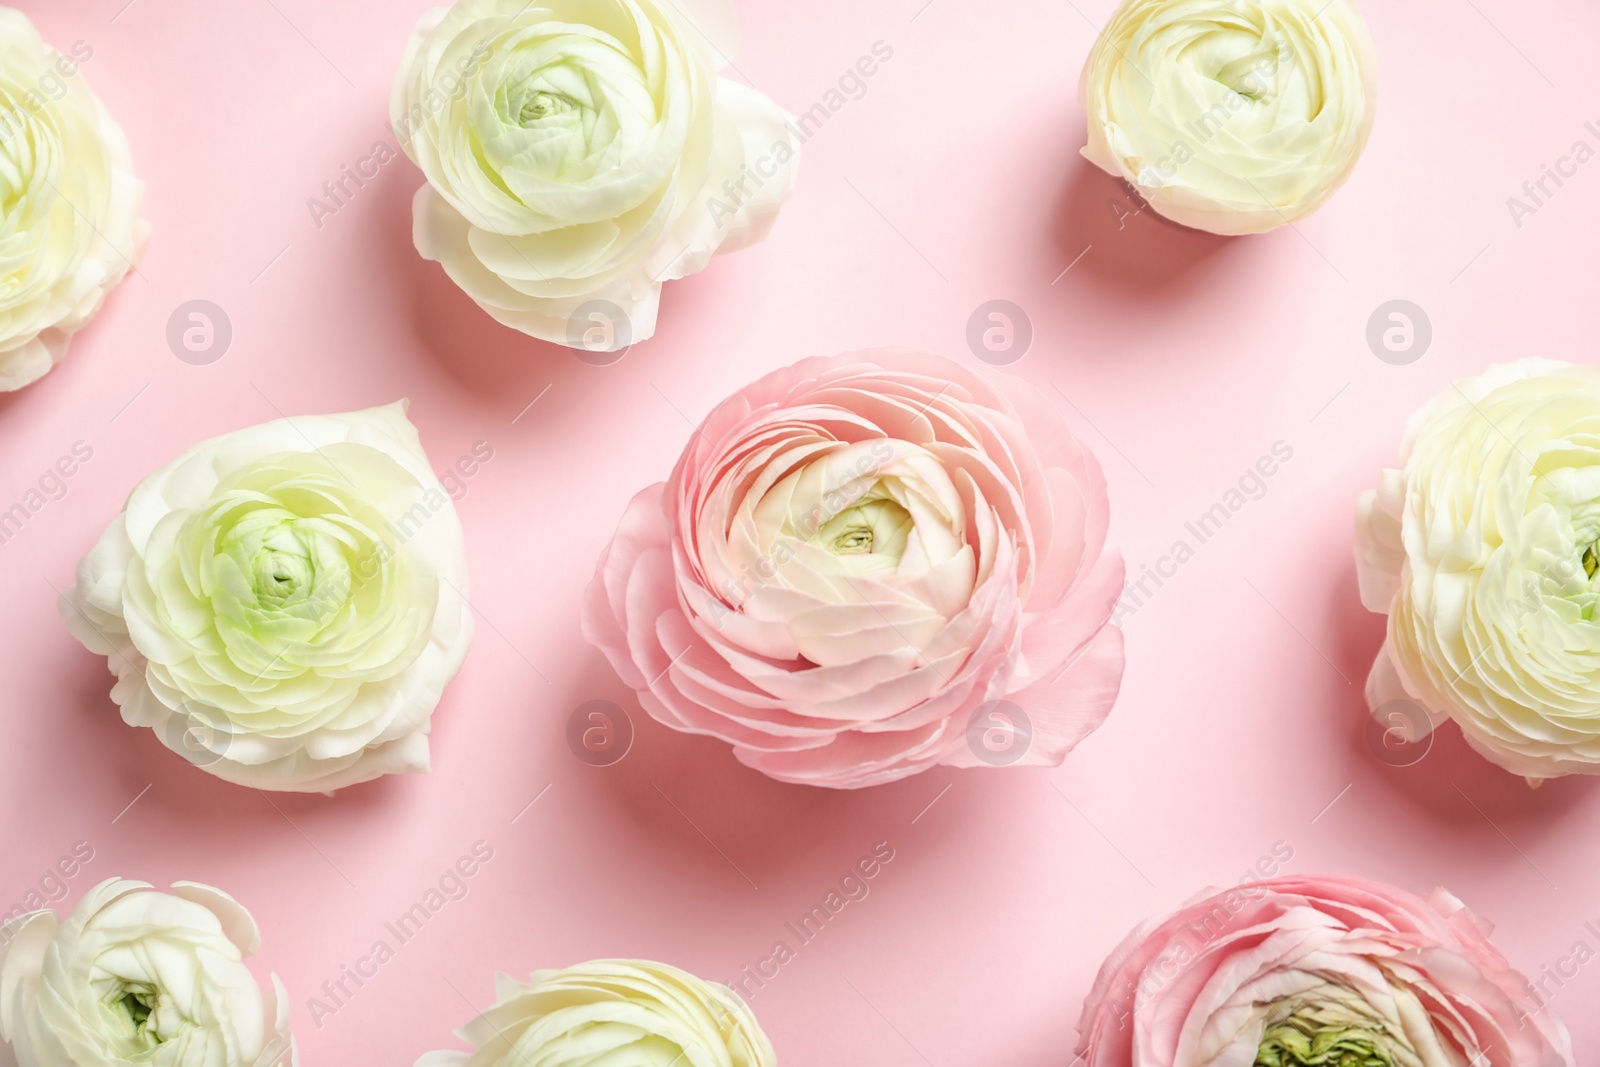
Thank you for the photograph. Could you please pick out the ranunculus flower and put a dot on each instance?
(69, 224)
(137, 976)
(1233, 116)
(284, 605)
(1316, 972)
(867, 565)
(581, 152)
(631, 1012)
(1483, 550)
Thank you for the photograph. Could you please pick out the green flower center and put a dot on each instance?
(1579, 589)
(542, 105)
(1302, 1043)
(288, 563)
(131, 1009)
(877, 527)
(853, 541)
(281, 578)
(138, 1007)
(570, 105)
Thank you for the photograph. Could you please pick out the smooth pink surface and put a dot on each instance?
(954, 180)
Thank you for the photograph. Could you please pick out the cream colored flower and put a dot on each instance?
(69, 225)
(630, 1012)
(581, 152)
(1233, 116)
(1484, 550)
(284, 605)
(137, 977)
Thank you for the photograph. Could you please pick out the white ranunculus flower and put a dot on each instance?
(1484, 551)
(581, 152)
(135, 976)
(69, 225)
(284, 605)
(632, 1012)
(1233, 116)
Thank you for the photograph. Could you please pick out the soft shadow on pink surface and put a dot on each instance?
(10, 402)
(677, 793)
(1449, 783)
(200, 801)
(179, 793)
(37, 399)
(1190, 351)
(488, 359)
(1132, 251)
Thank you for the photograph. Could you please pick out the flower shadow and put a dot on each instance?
(160, 788)
(486, 358)
(688, 805)
(7, 402)
(1126, 247)
(1441, 778)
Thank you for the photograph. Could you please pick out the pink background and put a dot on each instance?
(954, 180)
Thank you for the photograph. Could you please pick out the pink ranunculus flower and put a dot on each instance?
(867, 565)
(1316, 972)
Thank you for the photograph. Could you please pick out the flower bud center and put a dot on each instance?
(280, 577)
(542, 105)
(857, 539)
(1252, 75)
(136, 1008)
(874, 526)
(1308, 1041)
